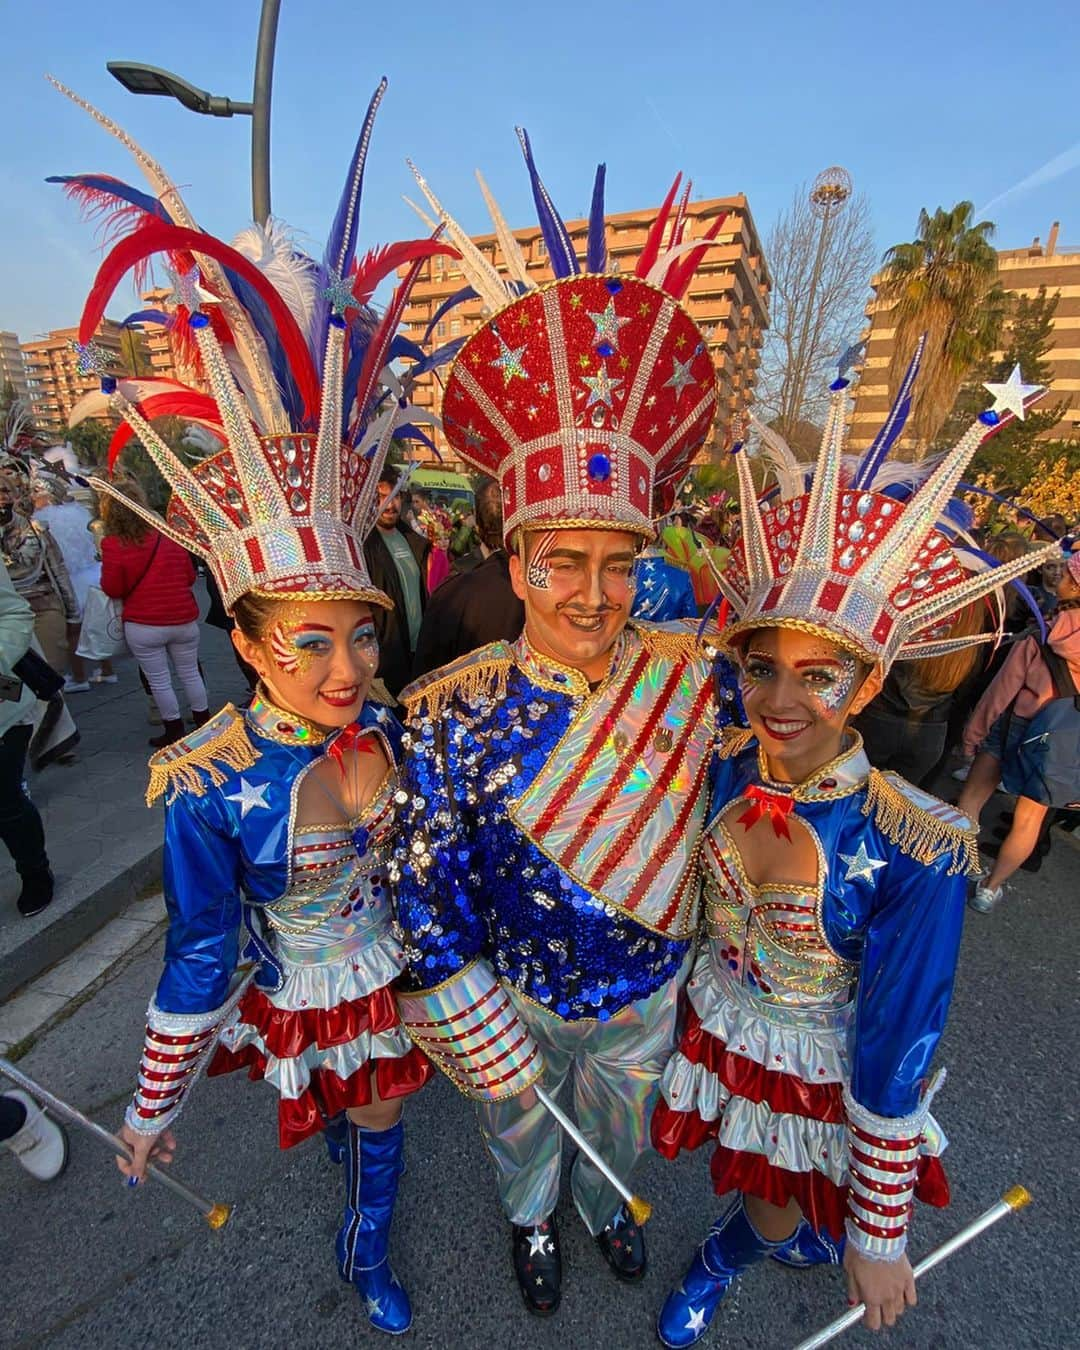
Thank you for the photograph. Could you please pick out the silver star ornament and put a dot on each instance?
(861, 867)
(1010, 396)
(250, 797)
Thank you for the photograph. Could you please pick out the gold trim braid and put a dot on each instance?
(230, 751)
(915, 831)
(468, 680)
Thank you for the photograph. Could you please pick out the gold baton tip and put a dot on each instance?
(1016, 1197)
(219, 1216)
(639, 1209)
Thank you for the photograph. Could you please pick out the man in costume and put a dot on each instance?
(553, 788)
(278, 820)
(833, 894)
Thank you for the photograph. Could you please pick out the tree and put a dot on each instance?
(809, 326)
(944, 284)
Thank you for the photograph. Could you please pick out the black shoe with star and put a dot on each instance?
(622, 1242)
(538, 1266)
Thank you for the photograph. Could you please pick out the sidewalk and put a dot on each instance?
(103, 842)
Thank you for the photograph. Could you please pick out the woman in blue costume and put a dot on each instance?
(833, 894)
(278, 819)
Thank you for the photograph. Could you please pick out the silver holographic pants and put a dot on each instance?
(614, 1068)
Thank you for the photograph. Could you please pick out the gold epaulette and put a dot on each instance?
(479, 674)
(733, 741)
(920, 824)
(675, 640)
(213, 751)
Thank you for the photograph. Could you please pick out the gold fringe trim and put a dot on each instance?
(733, 741)
(674, 646)
(481, 679)
(915, 831)
(182, 769)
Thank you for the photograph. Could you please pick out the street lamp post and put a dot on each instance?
(141, 79)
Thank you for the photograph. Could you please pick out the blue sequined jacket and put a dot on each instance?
(228, 842)
(471, 882)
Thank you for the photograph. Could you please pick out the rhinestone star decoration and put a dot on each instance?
(601, 386)
(680, 375)
(250, 797)
(509, 361)
(90, 358)
(607, 324)
(861, 867)
(186, 290)
(1009, 397)
(339, 293)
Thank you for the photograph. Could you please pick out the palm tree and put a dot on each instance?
(943, 284)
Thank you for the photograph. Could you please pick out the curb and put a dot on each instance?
(57, 939)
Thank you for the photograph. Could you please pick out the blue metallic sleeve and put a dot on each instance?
(441, 928)
(202, 895)
(909, 958)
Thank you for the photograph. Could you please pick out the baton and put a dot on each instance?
(216, 1215)
(1016, 1197)
(639, 1209)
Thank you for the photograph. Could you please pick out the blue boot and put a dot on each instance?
(807, 1248)
(372, 1168)
(732, 1245)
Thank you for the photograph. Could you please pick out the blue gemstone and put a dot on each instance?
(614, 286)
(198, 321)
(360, 840)
(736, 447)
(839, 384)
(989, 418)
(599, 468)
(603, 1015)
(108, 384)
(605, 349)
(336, 321)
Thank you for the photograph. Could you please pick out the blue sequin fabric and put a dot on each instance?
(469, 883)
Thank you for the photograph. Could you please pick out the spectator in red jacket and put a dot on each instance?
(153, 576)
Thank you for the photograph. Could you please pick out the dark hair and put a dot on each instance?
(121, 522)
(254, 614)
(390, 476)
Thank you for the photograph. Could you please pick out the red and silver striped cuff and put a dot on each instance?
(172, 1053)
(883, 1157)
(469, 1028)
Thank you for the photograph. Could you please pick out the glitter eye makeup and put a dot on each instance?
(292, 655)
(836, 682)
(538, 571)
(365, 638)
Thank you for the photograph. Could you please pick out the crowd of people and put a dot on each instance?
(526, 815)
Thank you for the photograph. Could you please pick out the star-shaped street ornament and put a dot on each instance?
(607, 324)
(509, 361)
(601, 386)
(250, 797)
(680, 375)
(1010, 396)
(861, 867)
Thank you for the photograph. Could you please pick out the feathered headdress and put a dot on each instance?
(875, 555)
(584, 394)
(301, 394)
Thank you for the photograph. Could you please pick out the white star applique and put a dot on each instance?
(536, 1243)
(697, 1320)
(1009, 397)
(250, 797)
(861, 867)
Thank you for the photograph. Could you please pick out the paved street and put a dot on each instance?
(90, 1264)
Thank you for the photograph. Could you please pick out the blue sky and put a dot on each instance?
(925, 104)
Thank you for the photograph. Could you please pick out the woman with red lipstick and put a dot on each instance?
(278, 820)
(833, 894)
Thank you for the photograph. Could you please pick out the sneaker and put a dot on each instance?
(99, 678)
(76, 686)
(985, 899)
(41, 1146)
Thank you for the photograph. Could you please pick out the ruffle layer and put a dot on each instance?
(285, 1034)
(326, 1092)
(310, 983)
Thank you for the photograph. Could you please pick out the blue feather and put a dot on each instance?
(260, 317)
(458, 298)
(403, 346)
(439, 357)
(407, 432)
(596, 253)
(894, 425)
(1021, 587)
(960, 513)
(115, 188)
(564, 261)
(146, 316)
(1004, 501)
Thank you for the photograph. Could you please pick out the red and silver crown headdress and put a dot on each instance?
(296, 362)
(584, 394)
(869, 557)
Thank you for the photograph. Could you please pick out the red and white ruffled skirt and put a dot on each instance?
(326, 1038)
(771, 1095)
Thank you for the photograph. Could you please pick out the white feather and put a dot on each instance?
(790, 474)
(272, 249)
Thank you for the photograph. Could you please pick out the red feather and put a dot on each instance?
(379, 262)
(682, 270)
(187, 403)
(375, 356)
(157, 237)
(651, 251)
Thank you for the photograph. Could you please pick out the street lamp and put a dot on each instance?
(142, 79)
